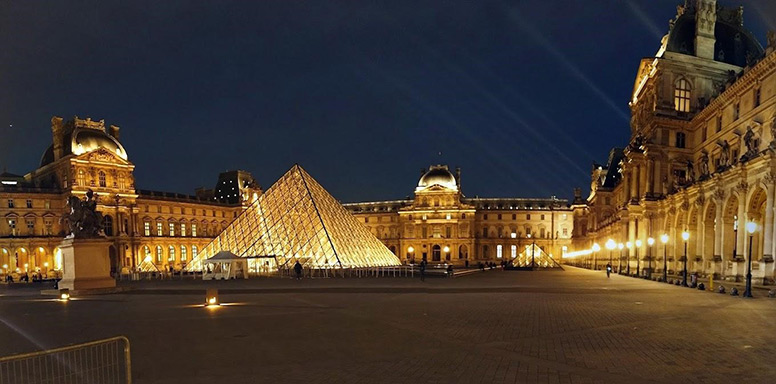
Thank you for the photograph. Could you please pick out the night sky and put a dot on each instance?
(524, 95)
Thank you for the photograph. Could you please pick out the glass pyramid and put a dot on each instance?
(297, 220)
(534, 256)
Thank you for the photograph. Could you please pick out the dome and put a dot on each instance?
(733, 44)
(83, 140)
(438, 175)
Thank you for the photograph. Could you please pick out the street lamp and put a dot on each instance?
(628, 245)
(638, 270)
(664, 240)
(751, 227)
(650, 242)
(620, 246)
(447, 253)
(410, 255)
(685, 237)
(610, 245)
(596, 248)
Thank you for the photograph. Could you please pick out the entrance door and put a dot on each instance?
(436, 253)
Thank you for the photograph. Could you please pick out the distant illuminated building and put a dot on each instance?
(441, 225)
(148, 230)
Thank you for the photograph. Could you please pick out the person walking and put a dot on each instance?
(423, 270)
(298, 270)
(608, 269)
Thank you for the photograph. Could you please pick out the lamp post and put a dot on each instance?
(596, 248)
(620, 246)
(650, 242)
(664, 240)
(751, 227)
(410, 255)
(628, 245)
(447, 253)
(638, 265)
(685, 237)
(610, 246)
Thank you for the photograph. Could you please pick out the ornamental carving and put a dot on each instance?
(685, 205)
(742, 186)
(699, 201)
(769, 178)
(719, 194)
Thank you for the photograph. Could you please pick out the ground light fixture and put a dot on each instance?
(751, 228)
(211, 298)
(64, 294)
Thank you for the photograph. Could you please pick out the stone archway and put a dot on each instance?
(710, 231)
(755, 212)
(729, 233)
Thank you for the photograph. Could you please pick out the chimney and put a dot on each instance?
(114, 131)
(58, 133)
(705, 21)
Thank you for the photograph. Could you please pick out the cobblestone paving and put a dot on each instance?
(574, 326)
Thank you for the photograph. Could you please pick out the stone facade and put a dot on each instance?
(164, 229)
(702, 153)
(441, 225)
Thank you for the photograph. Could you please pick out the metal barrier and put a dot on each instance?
(101, 361)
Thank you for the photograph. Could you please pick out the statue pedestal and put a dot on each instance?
(86, 264)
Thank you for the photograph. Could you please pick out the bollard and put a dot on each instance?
(711, 282)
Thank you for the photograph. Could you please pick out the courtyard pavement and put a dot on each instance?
(572, 326)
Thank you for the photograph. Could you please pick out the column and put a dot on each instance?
(741, 239)
(650, 174)
(768, 224)
(700, 237)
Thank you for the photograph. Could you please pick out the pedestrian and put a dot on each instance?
(298, 270)
(450, 270)
(608, 269)
(423, 270)
(466, 263)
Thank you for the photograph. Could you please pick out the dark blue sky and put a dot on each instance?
(522, 95)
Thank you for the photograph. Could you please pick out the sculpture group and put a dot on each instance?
(82, 219)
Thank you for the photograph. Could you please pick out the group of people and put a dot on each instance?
(24, 277)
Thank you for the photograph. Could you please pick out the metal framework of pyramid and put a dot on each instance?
(533, 256)
(297, 220)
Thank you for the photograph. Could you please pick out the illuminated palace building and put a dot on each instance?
(441, 225)
(154, 229)
(700, 166)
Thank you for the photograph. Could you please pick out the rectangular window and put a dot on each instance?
(10, 203)
(757, 97)
(484, 232)
(147, 228)
(514, 216)
(513, 249)
(183, 253)
(172, 229)
(499, 251)
(680, 140)
(31, 226)
(448, 232)
(565, 232)
(542, 217)
(194, 230)
(705, 135)
(183, 229)
(719, 123)
(47, 204)
(485, 217)
(29, 203)
(49, 227)
(736, 111)
(528, 216)
(159, 229)
(541, 233)
(499, 216)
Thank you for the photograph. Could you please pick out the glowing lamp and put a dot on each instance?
(628, 244)
(610, 244)
(664, 238)
(685, 235)
(514, 235)
(45, 264)
(596, 247)
(64, 294)
(211, 298)
(620, 246)
(638, 243)
(447, 249)
(650, 241)
(751, 227)
(410, 249)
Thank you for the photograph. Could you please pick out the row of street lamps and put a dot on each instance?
(751, 228)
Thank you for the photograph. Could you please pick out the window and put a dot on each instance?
(171, 254)
(172, 229)
(12, 225)
(158, 228)
(542, 217)
(47, 204)
(108, 225)
(158, 253)
(680, 140)
(499, 251)
(183, 229)
(49, 227)
(542, 233)
(101, 178)
(194, 251)
(81, 178)
(147, 228)
(194, 230)
(146, 253)
(499, 216)
(528, 216)
(514, 216)
(183, 253)
(484, 232)
(485, 216)
(31, 227)
(719, 123)
(448, 232)
(29, 203)
(705, 135)
(463, 215)
(757, 97)
(513, 250)
(10, 203)
(121, 181)
(565, 232)
(736, 110)
(682, 96)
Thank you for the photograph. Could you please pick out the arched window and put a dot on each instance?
(146, 253)
(183, 253)
(194, 251)
(101, 179)
(158, 253)
(108, 225)
(171, 254)
(682, 96)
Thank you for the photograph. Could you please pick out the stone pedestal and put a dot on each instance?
(86, 264)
